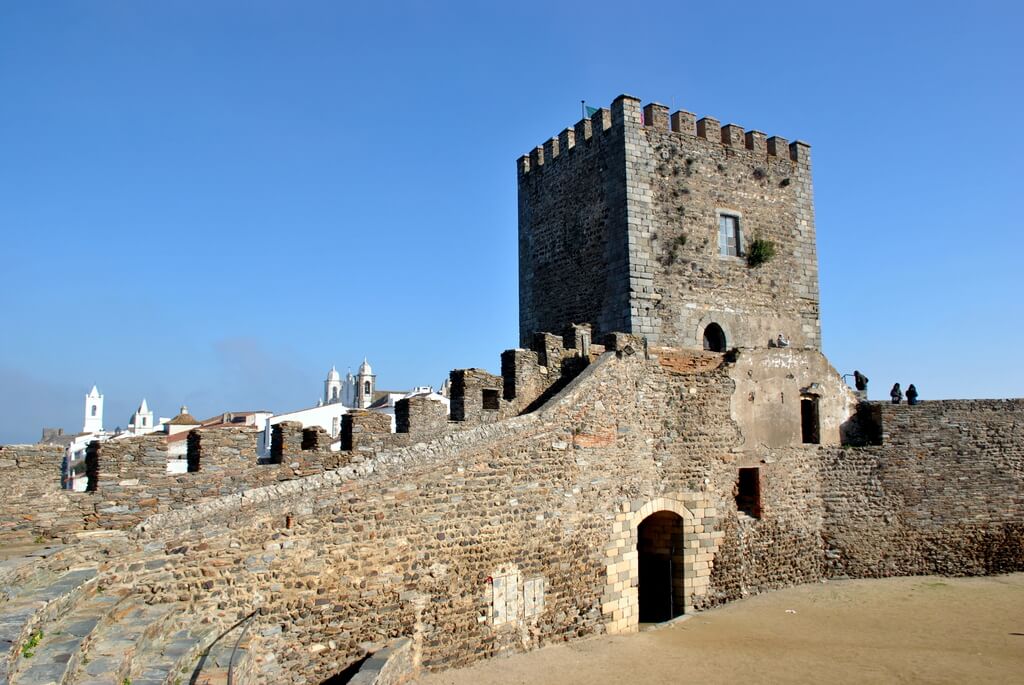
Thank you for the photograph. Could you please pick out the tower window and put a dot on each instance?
(729, 236)
(490, 400)
(366, 387)
(714, 338)
(748, 492)
(93, 412)
(143, 421)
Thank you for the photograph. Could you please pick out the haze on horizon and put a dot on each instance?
(212, 204)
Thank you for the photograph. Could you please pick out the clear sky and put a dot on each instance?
(210, 203)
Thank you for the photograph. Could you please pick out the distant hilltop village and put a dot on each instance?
(666, 437)
(340, 396)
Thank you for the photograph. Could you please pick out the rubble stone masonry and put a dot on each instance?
(943, 493)
(410, 542)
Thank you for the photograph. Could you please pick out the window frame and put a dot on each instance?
(722, 214)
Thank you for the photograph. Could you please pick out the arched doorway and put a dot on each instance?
(714, 338)
(659, 547)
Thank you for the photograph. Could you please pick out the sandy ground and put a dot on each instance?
(898, 630)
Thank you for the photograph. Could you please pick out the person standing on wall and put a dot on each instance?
(911, 394)
(896, 394)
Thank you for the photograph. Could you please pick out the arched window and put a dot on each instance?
(334, 393)
(366, 387)
(714, 338)
(143, 421)
(93, 413)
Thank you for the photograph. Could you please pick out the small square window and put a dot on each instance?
(490, 400)
(730, 243)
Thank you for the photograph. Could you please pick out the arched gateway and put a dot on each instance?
(660, 579)
(660, 554)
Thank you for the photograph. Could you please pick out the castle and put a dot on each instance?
(667, 437)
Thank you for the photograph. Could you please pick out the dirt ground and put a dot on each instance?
(897, 630)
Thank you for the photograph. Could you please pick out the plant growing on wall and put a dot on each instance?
(759, 252)
(673, 250)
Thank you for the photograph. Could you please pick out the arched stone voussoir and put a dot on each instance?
(620, 603)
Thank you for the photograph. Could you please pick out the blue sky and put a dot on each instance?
(212, 202)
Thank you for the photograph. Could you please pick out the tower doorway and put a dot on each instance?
(659, 547)
(810, 425)
(714, 338)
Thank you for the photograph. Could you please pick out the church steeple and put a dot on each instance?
(142, 419)
(365, 385)
(93, 412)
(332, 387)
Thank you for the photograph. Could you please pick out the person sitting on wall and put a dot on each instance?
(911, 394)
(782, 341)
(896, 394)
(860, 381)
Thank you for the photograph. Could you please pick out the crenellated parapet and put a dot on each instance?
(365, 431)
(653, 222)
(528, 377)
(421, 416)
(627, 112)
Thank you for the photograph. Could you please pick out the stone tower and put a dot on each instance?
(365, 385)
(332, 387)
(642, 222)
(93, 412)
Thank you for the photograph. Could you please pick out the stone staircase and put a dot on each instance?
(31, 608)
(59, 625)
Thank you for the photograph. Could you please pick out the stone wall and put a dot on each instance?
(414, 541)
(944, 493)
(230, 448)
(31, 500)
(618, 227)
(573, 251)
(421, 416)
(365, 432)
(522, 532)
(285, 438)
(129, 481)
(476, 397)
(772, 384)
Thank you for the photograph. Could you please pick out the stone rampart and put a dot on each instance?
(223, 448)
(943, 493)
(128, 480)
(32, 502)
(421, 416)
(512, 534)
(415, 541)
(365, 432)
